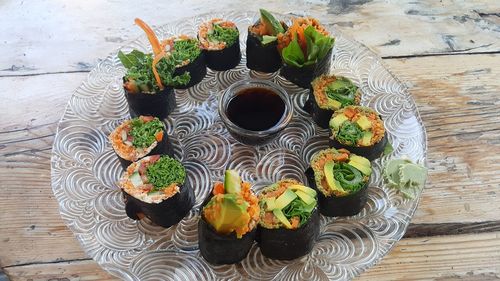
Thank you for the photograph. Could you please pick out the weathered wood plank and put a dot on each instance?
(460, 257)
(56, 42)
(458, 100)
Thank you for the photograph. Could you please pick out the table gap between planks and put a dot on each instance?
(448, 53)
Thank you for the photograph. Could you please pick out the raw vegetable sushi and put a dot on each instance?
(228, 223)
(150, 78)
(188, 57)
(262, 52)
(306, 49)
(156, 187)
(358, 129)
(139, 137)
(341, 179)
(220, 42)
(289, 220)
(330, 93)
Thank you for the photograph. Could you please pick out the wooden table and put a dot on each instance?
(448, 52)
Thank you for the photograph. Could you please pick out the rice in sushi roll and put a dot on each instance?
(156, 187)
(330, 93)
(228, 223)
(358, 129)
(150, 78)
(220, 42)
(289, 220)
(341, 179)
(139, 137)
(188, 57)
(306, 50)
(262, 52)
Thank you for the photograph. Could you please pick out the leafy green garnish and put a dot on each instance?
(388, 149)
(342, 90)
(143, 133)
(348, 176)
(318, 46)
(140, 71)
(221, 34)
(164, 172)
(266, 39)
(185, 50)
(349, 133)
(297, 208)
(271, 22)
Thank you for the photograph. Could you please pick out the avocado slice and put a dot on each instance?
(232, 182)
(281, 217)
(309, 191)
(305, 197)
(284, 199)
(367, 138)
(362, 167)
(360, 159)
(334, 103)
(232, 214)
(333, 184)
(136, 180)
(364, 123)
(270, 203)
(270, 22)
(337, 121)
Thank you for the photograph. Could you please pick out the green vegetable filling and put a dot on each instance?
(349, 133)
(298, 208)
(221, 34)
(318, 46)
(343, 91)
(143, 133)
(185, 50)
(348, 176)
(165, 172)
(140, 71)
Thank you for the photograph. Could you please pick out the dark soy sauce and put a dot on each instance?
(256, 109)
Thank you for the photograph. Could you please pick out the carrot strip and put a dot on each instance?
(155, 71)
(159, 136)
(218, 188)
(153, 40)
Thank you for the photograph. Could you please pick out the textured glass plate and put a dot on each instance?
(85, 170)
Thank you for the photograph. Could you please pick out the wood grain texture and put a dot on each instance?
(72, 36)
(460, 257)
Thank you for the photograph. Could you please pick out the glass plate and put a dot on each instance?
(85, 169)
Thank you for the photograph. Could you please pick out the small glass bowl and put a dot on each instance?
(250, 137)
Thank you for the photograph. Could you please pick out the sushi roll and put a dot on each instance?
(289, 220)
(328, 94)
(150, 78)
(358, 129)
(341, 179)
(139, 137)
(228, 223)
(262, 52)
(306, 50)
(156, 187)
(188, 57)
(220, 42)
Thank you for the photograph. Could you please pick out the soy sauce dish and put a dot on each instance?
(255, 111)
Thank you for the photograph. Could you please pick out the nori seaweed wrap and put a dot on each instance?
(188, 57)
(306, 50)
(262, 52)
(330, 93)
(156, 187)
(228, 222)
(139, 137)
(289, 220)
(341, 179)
(219, 40)
(358, 129)
(150, 78)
